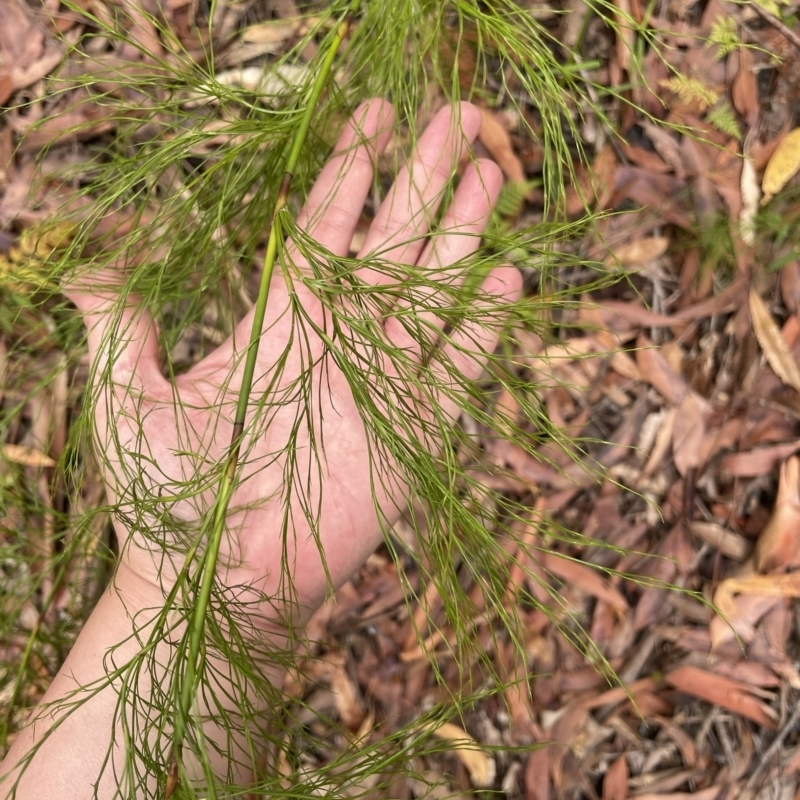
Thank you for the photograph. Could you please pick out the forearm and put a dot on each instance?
(78, 734)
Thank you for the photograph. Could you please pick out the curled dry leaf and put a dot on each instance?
(761, 589)
(481, 767)
(778, 546)
(772, 343)
(783, 165)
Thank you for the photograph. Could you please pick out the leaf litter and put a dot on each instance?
(680, 383)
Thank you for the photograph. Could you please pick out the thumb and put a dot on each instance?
(122, 336)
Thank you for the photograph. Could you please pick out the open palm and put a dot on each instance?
(307, 483)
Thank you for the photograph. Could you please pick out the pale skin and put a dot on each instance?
(142, 413)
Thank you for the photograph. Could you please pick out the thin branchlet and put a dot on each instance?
(207, 569)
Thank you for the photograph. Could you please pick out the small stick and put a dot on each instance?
(773, 748)
(776, 23)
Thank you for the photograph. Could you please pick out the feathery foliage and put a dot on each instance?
(185, 223)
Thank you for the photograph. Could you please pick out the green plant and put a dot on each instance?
(192, 221)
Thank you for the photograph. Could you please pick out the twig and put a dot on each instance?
(776, 23)
(775, 745)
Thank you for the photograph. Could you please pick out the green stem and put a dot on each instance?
(207, 569)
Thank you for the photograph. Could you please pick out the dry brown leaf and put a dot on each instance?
(616, 695)
(772, 343)
(350, 711)
(603, 176)
(21, 39)
(625, 35)
(747, 671)
(790, 285)
(778, 546)
(666, 145)
(496, 139)
(783, 165)
(645, 158)
(639, 252)
(661, 445)
(684, 741)
(724, 692)
(481, 767)
(537, 775)
(760, 461)
(615, 782)
(730, 544)
(585, 579)
(690, 442)
(6, 87)
(739, 618)
(744, 91)
(27, 456)
(656, 370)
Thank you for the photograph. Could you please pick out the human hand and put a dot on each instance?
(307, 484)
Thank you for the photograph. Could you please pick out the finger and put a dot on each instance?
(463, 358)
(464, 222)
(330, 216)
(405, 216)
(122, 337)
(337, 199)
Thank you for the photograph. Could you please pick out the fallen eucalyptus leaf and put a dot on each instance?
(783, 165)
(480, 766)
(775, 348)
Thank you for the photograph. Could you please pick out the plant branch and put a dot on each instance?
(207, 569)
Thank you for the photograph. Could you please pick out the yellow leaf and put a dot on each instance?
(27, 456)
(640, 251)
(775, 348)
(783, 165)
(272, 31)
(480, 766)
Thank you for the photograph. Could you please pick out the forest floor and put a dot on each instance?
(682, 381)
